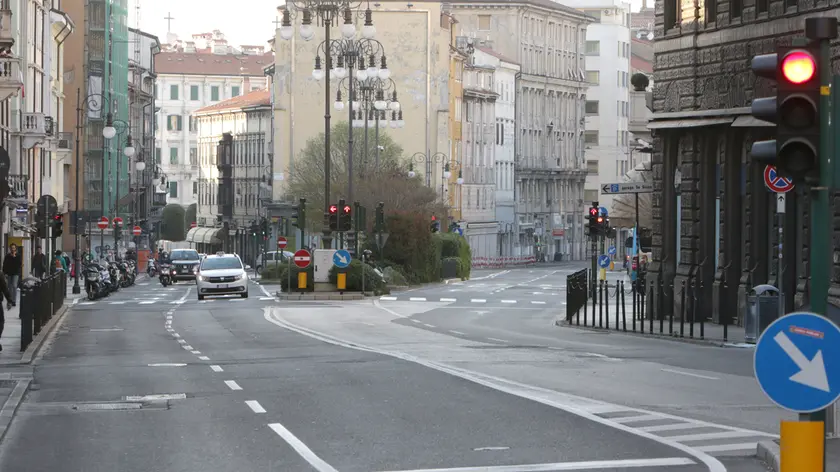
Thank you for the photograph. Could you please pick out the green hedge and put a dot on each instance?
(282, 275)
(373, 281)
(454, 245)
(411, 247)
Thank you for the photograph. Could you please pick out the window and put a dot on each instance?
(173, 189)
(592, 107)
(194, 93)
(156, 91)
(173, 92)
(193, 124)
(173, 155)
(234, 91)
(760, 5)
(214, 93)
(193, 156)
(593, 48)
(594, 14)
(157, 154)
(484, 22)
(593, 77)
(672, 7)
(736, 8)
(590, 137)
(592, 166)
(174, 123)
(220, 263)
(195, 188)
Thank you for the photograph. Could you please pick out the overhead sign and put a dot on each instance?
(302, 258)
(341, 258)
(780, 203)
(797, 362)
(611, 250)
(627, 187)
(603, 261)
(281, 242)
(103, 223)
(775, 182)
(137, 230)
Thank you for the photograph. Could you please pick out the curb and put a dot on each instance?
(9, 409)
(325, 296)
(449, 281)
(37, 342)
(664, 337)
(769, 452)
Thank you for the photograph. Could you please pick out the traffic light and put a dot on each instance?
(345, 216)
(794, 109)
(333, 217)
(594, 214)
(600, 226)
(254, 228)
(299, 214)
(379, 224)
(57, 225)
(435, 226)
(264, 227)
(41, 224)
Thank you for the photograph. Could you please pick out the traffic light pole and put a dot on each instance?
(824, 30)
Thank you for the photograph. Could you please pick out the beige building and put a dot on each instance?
(416, 38)
(548, 40)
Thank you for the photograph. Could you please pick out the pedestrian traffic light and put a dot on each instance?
(333, 217)
(57, 225)
(794, 109)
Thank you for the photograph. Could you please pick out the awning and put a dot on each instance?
(201, 235)
(690, 123)
(751, 122)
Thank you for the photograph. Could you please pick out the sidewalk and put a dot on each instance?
(10, 340)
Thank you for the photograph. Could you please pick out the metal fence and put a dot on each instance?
(40, 299)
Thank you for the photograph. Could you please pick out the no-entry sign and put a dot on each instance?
(281, 242)
(303, 258)
(103, 223)
(118, 221)
(137, 230)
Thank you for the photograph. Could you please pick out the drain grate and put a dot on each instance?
(107, 406)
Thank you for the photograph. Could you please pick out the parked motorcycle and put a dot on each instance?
(166, 274)
(152, 268)
(114, 275)
(94, 285)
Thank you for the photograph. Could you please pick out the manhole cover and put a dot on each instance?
(107, 406)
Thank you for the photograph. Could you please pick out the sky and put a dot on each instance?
(248, 22)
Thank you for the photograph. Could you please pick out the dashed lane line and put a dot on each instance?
(255, 406)
(498, 340)
(216, 368)
(203, 358)
(232, 385)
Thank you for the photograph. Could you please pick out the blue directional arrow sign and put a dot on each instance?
(604, 211)
(797, 362)
(341, 258)
(611, 250)
(603, 261)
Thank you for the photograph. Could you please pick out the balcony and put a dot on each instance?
(61, 143)
(17, 188)
(34, 128)
(11, 80)
(7, 39)
(158, 200)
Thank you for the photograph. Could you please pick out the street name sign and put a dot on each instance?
(797, 362)
(302, 258)
(341, 258)
(603, 261)
(627, 187)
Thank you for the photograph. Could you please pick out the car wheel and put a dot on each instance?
(201, 297)
(245, 295)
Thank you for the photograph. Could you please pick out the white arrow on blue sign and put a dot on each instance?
(611, 250)
(797, 362)
(603, 261)
(342, 258)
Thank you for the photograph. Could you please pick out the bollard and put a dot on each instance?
(600, 304)
(617, 307)
(691, 300)
(671, 322)
(660, 302)
(635, 302)
(725, 319)
(586, 305)
(649, 293)
(702, 318)
(26, 314)
(623, 308)
(607, 303)
(682, 310)
(594, 291)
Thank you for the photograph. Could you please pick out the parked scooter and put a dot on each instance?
(94, 285)
(166, 274)
(152, 268)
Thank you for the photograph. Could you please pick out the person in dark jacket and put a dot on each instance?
(4, 290)
(12, 269)
(39, 263)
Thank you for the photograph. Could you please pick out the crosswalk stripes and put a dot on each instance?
(455, 300)
(168, 302)
(713, 439)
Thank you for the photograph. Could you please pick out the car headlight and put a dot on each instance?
(203, 278)
(237, 277)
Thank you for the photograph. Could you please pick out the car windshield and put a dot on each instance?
(184, 256)
(217, 263)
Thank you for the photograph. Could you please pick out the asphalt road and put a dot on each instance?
(179, 385)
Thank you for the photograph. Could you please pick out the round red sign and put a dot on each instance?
(103, 223)
(302, 258)
(118, 221)
(193, 225)
(137, 230)
(281, 242)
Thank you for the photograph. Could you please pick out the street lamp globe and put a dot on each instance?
(368, 31)
(411, 174)
(109, 132)
(394, 124)
(348, 30)
(129, 151)
(340, 72)
(384, 73)
(317, 74)
(307, 32)
(361, 74)
(339, 105)
(286, 32)
(447, 174)
(372, 71)
(394, 106)
(140, 166)
(459, 181)
(380, 104)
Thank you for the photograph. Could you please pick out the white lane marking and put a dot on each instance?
(589, 465)
(316, 462)
(118, 303)
(457, 332)
(565, 402)
(168, 316)
(508, 301)
(76, 300)
(232, 385)
(368, 324)
(87, 303)
(537, 302)
(187, 347)
(162, 396)
(633, 419)
(167, 365)
(491, 448)
(726, 447)
(236, 299)
(105, 329)
(388, 298)
(671, 427)
(255, 406)
(203, 358)
(478, 300)
(707, 436)
(417, 299)
(195, 352)
(266, 298)
(417, 321)
(498, 340)
(182, 341)
(451, 300)
(149, 302)
(595, 354)
(429, 325)
(176, 335)
(266, 292)
(216, 368)
(184, 297)
(690, 374)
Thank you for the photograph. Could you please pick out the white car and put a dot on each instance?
(221, 274)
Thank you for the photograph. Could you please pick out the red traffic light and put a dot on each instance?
(434, 218)
(57, 217)
(799, 67)
(593, 211)
(333, 209)
(600, 219)
(347, 209)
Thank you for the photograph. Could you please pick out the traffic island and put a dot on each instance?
(312, 296)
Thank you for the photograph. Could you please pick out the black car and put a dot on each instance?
(184, 262)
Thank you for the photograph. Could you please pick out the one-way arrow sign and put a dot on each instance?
(627, 187)
(780, 203)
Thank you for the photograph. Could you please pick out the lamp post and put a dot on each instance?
(108, 132)
(350, 54)
(428, 158)
(139, 166)
(327, 12)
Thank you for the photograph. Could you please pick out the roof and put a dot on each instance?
(549, 4)
(642, 49)
(249, 100)
(495, 54)
(212, 64)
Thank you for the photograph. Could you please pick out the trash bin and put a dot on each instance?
(762, 309)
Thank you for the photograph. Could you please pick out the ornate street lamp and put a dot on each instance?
(112, 128)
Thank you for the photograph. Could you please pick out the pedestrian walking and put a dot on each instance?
(39, 263)
(59, 262)
(12, 269)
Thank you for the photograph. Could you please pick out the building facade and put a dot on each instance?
(505, 71)
(188, 80)
(703, 130)
(233, 159)
(547, 39)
